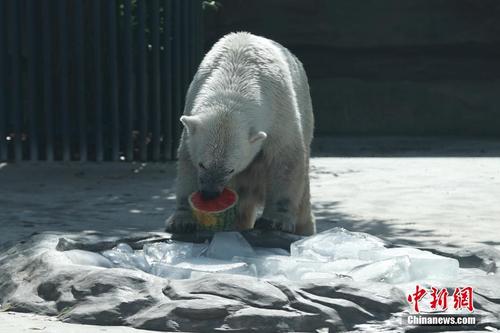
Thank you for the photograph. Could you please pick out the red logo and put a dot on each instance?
(439, 298)
(462, 298)
(416, 297)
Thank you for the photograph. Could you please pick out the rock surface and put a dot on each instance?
(38, 277)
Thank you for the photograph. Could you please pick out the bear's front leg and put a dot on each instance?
(284, 192)
(181, 221)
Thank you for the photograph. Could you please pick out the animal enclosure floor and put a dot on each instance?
(447, 202)
(440, 203)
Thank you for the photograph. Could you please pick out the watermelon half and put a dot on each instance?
(215, 214)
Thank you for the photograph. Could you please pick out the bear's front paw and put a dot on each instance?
(181, 222)
(280, 222)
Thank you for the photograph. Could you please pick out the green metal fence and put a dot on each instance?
(95, 80)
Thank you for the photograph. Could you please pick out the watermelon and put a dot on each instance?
(215, 214)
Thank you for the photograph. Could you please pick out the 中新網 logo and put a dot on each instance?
(462, 298)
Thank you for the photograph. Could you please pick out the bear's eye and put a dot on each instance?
(231, 171)
(201, 166)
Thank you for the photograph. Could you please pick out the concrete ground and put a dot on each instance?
(440, 202)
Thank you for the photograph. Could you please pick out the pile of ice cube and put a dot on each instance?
(328, 255)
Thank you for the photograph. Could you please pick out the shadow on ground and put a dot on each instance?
(329, 215)
(108, 197)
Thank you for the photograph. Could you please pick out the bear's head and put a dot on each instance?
(220, 144)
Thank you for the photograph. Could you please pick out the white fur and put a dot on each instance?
(249, 123)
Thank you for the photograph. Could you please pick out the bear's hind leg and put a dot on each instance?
(284, 192)
(306, 224)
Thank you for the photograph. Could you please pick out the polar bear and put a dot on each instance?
(248, 124)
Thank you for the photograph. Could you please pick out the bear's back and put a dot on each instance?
(242, 62)
(259, 70)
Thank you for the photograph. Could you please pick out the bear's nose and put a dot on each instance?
(208, 195)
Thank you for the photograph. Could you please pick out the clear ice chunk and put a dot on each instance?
(124, 247)
(193, 266)
(264, 251)
(394, 270)
(213, 265)
(226, 245)
(341, 266)
(81, 257)
(281, 267)
(319, 276)
(334, 244)
(424, 265)
(121, 257)
(327, 255)
(297, 268)
(172, 252)
(169, 271)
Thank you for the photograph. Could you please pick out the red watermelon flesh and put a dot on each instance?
(223, 201)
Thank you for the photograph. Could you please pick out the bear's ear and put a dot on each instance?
(191, 123)
(260, 136)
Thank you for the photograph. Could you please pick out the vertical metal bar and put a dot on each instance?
(3, 106)
(199, 39)
(167, 80)
(63, 80)
(191, 44)
(189, 31)
(199, 34)
(80, 80)
(194, 36)
(127, 78)
(15, 78)
(142, 82)
(155, 75)
(188, 44)
(32, 56)
(96, 15)
(47, 82)
(113, 79)
(177, 70)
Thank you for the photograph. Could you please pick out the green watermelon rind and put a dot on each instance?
(219, 220)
